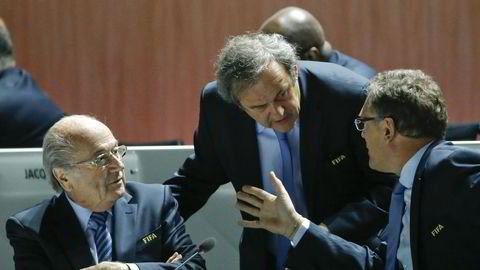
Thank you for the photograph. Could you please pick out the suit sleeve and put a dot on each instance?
(201, 174)
(175, 239)
(365, 217)
(331, 252)
(28, 254)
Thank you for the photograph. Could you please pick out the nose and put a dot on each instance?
(276, 110)
(362, 133)
(116, 163)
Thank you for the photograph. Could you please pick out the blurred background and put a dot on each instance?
(139, 65)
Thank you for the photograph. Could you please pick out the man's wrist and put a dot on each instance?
(297, 222)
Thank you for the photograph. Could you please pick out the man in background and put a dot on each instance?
(304, 31)
(97, 221)
(434, 217)
(26, 112)
(267, 111)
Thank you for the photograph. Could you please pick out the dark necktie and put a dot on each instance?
(282, 244)
(103, 241)
(394, 226)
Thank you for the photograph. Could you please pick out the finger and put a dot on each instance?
(257, 192)
(170, 259)
(179, 257)
(277, 184)
(251, 199)
(247, 208)
(175, 257)
(255, 224)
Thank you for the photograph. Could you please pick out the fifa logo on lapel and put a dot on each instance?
(149, 238)
(437, 230)
(338, 159)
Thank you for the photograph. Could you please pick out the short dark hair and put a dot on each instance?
(245, 57)
(412, 99)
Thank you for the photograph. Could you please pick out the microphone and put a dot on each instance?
(204, 247)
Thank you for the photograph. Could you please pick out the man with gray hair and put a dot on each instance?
(434, 217)
(266, 112)
(26, 112)
(97, 221)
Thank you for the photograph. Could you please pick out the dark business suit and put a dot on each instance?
(26, 112)
(353, 64)
(444, 225)
(334, 162)
(147, 230)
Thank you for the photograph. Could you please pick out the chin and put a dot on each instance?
(376, 167)
(283, 127)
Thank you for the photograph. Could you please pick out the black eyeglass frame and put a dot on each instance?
(360, 122)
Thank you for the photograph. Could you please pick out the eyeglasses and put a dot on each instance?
(104, 158)
(360, 122)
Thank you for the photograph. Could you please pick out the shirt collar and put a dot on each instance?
(83, 214)
(261, 128)
(407, 173)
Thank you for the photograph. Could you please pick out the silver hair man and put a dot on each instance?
(245, 57)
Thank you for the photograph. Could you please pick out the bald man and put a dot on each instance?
(303, 30)
(97, 221)
(300, 28)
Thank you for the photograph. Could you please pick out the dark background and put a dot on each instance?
(139, 65)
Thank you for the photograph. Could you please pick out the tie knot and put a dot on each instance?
(281, 135)
(97, 219)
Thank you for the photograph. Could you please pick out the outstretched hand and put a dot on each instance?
(275, 213)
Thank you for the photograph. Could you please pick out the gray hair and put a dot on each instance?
(244, 58)
(414, 101)
(59, 146)
(6, 49)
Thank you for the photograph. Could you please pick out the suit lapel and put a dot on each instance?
(310, 137)
(70, 235)
(416, 204)
(247, 159)
(124, 241)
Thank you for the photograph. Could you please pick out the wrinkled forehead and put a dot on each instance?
(85, 131)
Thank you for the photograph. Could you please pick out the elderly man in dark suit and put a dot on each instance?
(434, 219)
(269, 112)
(26, 112)
(97, 221)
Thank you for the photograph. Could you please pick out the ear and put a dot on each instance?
(313, 54)
(295, 70)
(389, 129)
(60, 175)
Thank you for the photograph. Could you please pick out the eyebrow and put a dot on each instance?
(102, 150)
(276, 96)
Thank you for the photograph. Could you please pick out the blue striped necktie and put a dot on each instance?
(395, 215)
(282, 244)
(103, 241)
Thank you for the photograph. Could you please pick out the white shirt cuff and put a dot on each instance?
(132, 266)
(300, 232)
